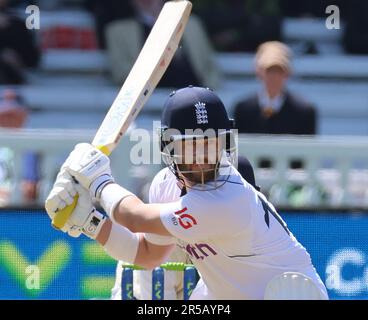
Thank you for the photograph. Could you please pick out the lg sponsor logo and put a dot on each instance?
(185, 220)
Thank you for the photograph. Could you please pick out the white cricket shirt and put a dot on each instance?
(233, 235)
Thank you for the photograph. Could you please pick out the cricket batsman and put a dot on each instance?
(239, 244)
(142, 288)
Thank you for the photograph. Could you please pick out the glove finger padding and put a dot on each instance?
(57, 200)
(85, 218)
(53, 203)
(66, 181)
(65, 196)
(83, 208)
(62, 193)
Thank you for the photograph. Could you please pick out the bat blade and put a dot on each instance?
(143, 78)
(147, 71)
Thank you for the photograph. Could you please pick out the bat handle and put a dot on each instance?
(62, 216)
(104, 150)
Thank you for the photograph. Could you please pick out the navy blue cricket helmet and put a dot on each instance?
(191, 112)
(194, 113)
(195, 107)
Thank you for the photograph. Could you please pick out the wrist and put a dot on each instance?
(122, 244)
(98, 184)
(111, 195)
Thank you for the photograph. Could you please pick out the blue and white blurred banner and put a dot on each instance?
(38, 262)
(338, 245)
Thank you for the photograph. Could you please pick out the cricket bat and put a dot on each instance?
(144, 76)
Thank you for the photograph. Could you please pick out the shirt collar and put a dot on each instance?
(266, 102)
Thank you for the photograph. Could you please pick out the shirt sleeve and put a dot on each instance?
(191, 218)
(155, 192)
(159, 240)
(154, 197)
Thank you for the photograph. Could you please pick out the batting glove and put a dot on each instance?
(60, 196)
(90, 167)
(84, 219)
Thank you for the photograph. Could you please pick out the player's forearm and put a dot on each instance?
(125, 209)
(122, 244)
(129, 213)
(149, 255)
(125, 213)
(138, 216)
(104, 234)
(118, 242)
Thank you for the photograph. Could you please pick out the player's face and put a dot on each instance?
(199, 161)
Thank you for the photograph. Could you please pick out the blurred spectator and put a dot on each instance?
(240, 25)
(17, 47)
(274, 109)
(106, 11)
(13, 114)
(355, 38)
(192, 63)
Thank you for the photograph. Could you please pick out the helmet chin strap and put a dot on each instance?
(181, 181)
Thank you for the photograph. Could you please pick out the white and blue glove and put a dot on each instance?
(90, 167)
(85, 218)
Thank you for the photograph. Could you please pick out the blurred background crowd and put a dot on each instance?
(275, 64)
